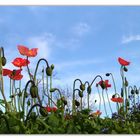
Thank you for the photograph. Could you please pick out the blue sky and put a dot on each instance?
(80, 41)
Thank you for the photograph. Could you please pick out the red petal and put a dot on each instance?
(123, 62)
(6, 72)
(23, 49)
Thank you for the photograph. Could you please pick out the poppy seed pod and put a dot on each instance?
(132, 91)
(52, 66)
(49, 71)
(43, 111)
(34, 91)
(77, 103)
(107, 74)
(80, 94)
(3, 61)
(137, 91)
(89, 90)
(82, 87)
(125, 69)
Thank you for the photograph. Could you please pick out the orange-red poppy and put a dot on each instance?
(97, 113)
(117, 99)
(26, 51)
(15, 74)
(104, 84)
(20, 62)
(123, 62)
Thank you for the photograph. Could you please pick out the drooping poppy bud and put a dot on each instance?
(89, 90)
(43, 111)
(82, 87)
(132, 92)
(113, 96)
(125, 69)
(77, 103)
(107, 74)
(137, 91)
(65, 102)
(49, 71)
(34, 91)
(3, 60)
(80, 94)
(52, 66)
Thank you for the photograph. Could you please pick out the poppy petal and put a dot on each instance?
(123, 62)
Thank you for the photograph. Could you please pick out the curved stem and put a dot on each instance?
(28, 69)
(96, 78)
(73, 101)
(35, 105)
(42, 59)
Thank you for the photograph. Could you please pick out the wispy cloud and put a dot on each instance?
(130, 38)
(42, 42)
(81, 29)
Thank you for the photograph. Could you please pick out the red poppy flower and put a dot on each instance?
(104, 84)
(16, 77)
(118, 99)
(6, 72)
(123, 62)
(97, 113)
(20, 62)
(15, 74)
(25, 51)
(54, 109)
(48, 109)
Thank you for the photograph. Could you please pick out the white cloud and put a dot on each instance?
(74, 63)
(43, 43)
(81, 29)
(130, 38)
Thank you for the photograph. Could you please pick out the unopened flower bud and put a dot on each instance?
(43, 111)
(80, 94)
(107, 74)
(125, 69)
(77, 103)
(89, 90)
(137, 91)
(82, 87)
(52, 66)
(3, 61)
(34, 91)
(132, 91)
(49, 71)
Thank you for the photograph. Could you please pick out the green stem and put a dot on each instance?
(50, 88)
(99, 98)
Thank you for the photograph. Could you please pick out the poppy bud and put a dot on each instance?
(28, 103)
(52, 66)
(52, 90)
(107, 74)
(43, 111)
(113, 96)
(122, 93)
(132, 91)
(82, 87)
(49, 71)
(89, 90)
(34, 91)
(3, 61)
(126, 82)
(95, 101)
(65, 102)
(125, 69)
(80, 94)
(12, 96)
(137, 91)
(77, 103)
(20, 94)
